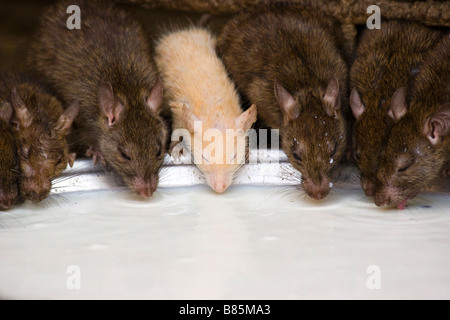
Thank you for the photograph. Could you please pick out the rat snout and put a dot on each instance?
(219, 182)
(145, 188)
(36, 191)
(317, 190)
(393, 197)
(386, 195)
(368, 187)
(382, 200)
(7, 200)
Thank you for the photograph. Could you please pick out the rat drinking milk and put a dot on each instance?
(106, 66)
(39, 125)
(287, 63)
(386, 62)
(199, 91)
(418, 147)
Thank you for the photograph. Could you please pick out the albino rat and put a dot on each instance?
(40, 125)
(419, 144)
(9, 169)
(107, 67)
(198, 89)
(286, 62)
(385, 64)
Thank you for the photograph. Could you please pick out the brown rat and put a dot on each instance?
(40, 125)
(418, 147)
(286, 62)
(107, 67)
(385, 63)
(9, 169)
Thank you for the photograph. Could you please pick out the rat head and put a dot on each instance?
(41, 140)
(313, 134)
(133, 135)
(219, 146)
(9, 169)
(372, 127)
(414, 154)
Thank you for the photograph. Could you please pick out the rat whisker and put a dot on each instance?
(10, 216)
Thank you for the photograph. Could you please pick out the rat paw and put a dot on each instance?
(72, 157)
(96, 155)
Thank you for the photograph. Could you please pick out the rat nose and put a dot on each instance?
(36, 196)
(317, 191)
(6, 203)
(218, 182)
(382, 200)
(36, 191)
(220, 187)
(146, 188)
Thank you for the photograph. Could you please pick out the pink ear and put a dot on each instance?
(189, 118)
(109, 105)
(6, 111)
(331, 97)
(155, 98)
(286, 101)
(356, 104)
(66, 119)
(23, 116)
(398, 103)
(246, 119)
(438, 125)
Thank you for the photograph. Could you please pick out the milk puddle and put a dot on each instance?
(253, 242)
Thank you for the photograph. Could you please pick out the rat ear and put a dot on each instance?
(22, 115)
(246, 119)
(154, 100)
(189, 118)
(398, 103)
(66, 119)
(6, 111)
(109, 105)
(438, 125)
(286, 101)
(356, 104)
(331, 97)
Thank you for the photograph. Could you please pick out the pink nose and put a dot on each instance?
(317, 191)
(218, 182)
(145, 188)
(382, 200)
(6, 203)
(220, 187)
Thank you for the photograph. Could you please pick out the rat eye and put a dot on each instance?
(297, 157)
(404, 167)
(59, 161)
(124, 155)
(159, 152)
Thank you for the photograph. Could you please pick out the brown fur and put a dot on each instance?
(105, 65)
(296, 48)
(40, 133)
(385, 61)
(410, 162)
(9, 169)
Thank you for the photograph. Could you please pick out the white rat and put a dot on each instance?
(198, 89)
